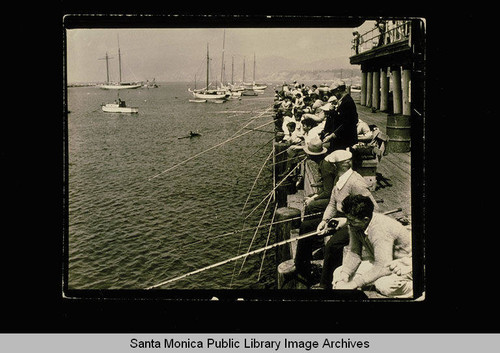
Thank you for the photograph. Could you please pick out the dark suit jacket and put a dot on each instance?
(343, 121)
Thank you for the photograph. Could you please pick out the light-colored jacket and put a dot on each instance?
(350, 183)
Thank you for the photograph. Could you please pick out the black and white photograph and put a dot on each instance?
(275, 160)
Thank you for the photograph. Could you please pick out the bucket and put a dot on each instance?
(399, 133)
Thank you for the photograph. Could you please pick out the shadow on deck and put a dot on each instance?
(393, 171)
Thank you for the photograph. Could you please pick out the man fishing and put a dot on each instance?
(379, 251)
(347, 182)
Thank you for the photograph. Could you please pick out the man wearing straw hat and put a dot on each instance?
(347, 182)
(315, 172)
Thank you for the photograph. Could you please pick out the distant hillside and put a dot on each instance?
(268, 69)
(281, 69)
(317, 76)
(277, 63)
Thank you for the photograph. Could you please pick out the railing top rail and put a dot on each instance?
(392, 32)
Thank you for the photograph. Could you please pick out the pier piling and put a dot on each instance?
(396, 90)
(284, 229)
(363, 87)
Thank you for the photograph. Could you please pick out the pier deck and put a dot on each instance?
(393, 171)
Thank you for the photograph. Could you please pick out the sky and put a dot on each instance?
(174, 53)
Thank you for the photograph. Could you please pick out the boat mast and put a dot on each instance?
(253, 68)
(222, 65)
(243, 69)
(107, 66)
(208, 63)
(119, 60)
(232, 69)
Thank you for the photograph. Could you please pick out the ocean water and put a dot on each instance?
(132, 222)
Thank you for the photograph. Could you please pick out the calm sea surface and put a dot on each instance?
(126, 228)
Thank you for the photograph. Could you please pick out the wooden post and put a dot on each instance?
(384, 90)
(369, 88)
(396, 89)
(363, 87)
(406, 91)
(286, 275)
(376, 89)
(283, 230)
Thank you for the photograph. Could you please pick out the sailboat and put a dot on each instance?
(247, 87)
(215, 95)
(119, 84)
(256, 87)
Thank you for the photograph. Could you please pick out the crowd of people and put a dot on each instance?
(360, 247)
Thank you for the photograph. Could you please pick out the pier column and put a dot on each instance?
(406, 91)
(384, 90)
(369, 88)
(376, 89)
(396, 89)
(363, 87)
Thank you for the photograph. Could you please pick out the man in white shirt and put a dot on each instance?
(347, 182)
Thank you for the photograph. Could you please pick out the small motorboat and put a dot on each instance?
(198, 100)
(355, 89)
(119, 106)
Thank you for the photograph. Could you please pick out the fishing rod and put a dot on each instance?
(205, 240)
(236, 258)
(330, 227)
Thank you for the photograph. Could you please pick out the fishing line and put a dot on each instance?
(255, 181)
(255, 234)
(234, 267)
(202, 152)
(277, 185)
(204, 240)
(267, 242)
(252, 119)
(261, 147)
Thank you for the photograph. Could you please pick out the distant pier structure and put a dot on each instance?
(392, 60)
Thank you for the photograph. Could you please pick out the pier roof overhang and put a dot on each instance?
(392, 54)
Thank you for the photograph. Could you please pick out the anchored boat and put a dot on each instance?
(119, 107)
(119, 84)
(210, 94)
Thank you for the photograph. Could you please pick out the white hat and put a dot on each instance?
(315, 146)
(337, 85)
(338, 156)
